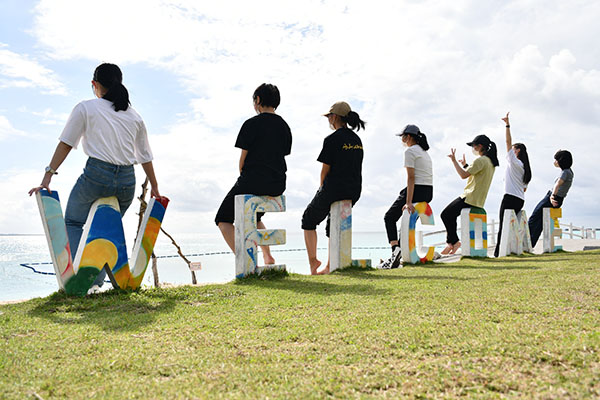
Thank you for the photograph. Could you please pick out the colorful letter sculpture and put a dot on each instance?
(102, 243)
(515, 238)
(248, 236)
(408, 226)
(551, 228)
(340, 237)
(473, 232)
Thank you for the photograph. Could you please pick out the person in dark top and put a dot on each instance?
(265, 140)
(563, 159)
(341, 177)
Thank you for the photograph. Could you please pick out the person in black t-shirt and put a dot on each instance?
(341, 177)
(265, 140)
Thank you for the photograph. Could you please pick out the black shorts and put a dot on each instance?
(319, 207)
(243, 185)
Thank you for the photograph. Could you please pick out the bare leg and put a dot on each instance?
(228, 232)
(266, 250)
(310, 239)
(394, 243)
(325, 270)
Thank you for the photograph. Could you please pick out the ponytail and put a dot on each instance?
(354, 121)
(492, 154)
(524, 157)
(422, 141)
(111, 77)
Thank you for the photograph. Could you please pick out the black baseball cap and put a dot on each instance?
(480, 139)
(409, 130)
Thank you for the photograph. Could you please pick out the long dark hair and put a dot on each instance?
(353, 119)
(421, 140)
(524, 157)
(111, 77)
(491, 152)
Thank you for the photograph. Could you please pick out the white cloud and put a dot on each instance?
(7, 130)
(17, 70)
(47, 116)
(452, 68)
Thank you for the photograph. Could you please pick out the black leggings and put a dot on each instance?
(509, 202)
(421, 193)
(318, 209)
(449, 216)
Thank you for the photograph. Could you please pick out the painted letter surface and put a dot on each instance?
(408, 227)
(248, 237)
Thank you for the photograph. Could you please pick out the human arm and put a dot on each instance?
(149, 170)
(60, 153)
(459, 169)
(558, 184)
(243, 159)
(324, 172)
(508, 136)
(410, 189)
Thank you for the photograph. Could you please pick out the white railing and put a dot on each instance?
(567, 230)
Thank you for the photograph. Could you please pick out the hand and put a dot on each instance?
(452, 155)
(553, 201)
(505, 119)
(463, 161)
(44, 185)
(154, 192)
(410, 207)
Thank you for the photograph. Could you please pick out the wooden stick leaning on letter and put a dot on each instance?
(143, 206)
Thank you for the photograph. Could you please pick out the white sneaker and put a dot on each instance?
(392, 262)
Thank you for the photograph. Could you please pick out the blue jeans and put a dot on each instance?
(536, 221)
(99, 179)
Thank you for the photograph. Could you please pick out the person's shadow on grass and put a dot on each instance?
(113, 310)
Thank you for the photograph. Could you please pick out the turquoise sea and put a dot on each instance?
(18, 282)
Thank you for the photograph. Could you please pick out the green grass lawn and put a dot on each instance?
(512, 327)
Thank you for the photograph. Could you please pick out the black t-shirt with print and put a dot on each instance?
(268, 139)
(343, 152)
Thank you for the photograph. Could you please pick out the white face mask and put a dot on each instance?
(475, 152)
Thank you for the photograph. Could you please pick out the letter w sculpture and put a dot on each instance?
(102, 243)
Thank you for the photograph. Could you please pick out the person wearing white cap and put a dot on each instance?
(419, 187)
(341, 175)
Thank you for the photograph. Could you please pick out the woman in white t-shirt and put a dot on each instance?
(419, 187)
(114, 137)
(516, 179)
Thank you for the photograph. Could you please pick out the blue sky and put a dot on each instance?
(454, 69)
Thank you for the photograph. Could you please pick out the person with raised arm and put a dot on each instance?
(341, 175)
(479, 178)
(114, 137)
(516, 178)
(419, 187)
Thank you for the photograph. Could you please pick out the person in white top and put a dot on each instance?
(419, 187)
(516, 179)
(114, 137)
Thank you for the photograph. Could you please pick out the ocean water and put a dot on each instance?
(18, 282)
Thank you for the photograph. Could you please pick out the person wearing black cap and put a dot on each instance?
(479, 177)
(516, 179)
(555, 197)
(341, 175)
(419, 187)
